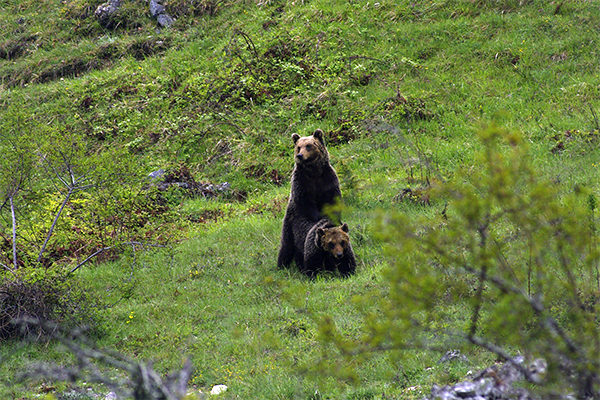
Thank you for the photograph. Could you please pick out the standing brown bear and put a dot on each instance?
(314, 185)
(328, 247)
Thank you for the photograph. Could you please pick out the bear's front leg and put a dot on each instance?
(286, 251)
(313, 263)
(347, 266)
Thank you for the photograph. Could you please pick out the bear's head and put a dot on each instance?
(335, 241)
(310, 149)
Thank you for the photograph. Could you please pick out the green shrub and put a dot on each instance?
(37, 294)
(511, 266)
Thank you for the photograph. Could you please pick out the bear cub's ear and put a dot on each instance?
(318, 135)
(320, 232)
(345, 227)
(295, 137)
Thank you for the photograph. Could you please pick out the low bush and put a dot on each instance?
(37, 294)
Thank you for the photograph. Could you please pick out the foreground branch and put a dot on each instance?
(145, 382)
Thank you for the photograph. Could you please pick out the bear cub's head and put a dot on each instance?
(335, 241)
(310, 149)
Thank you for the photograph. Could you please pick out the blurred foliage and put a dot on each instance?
(517, 258)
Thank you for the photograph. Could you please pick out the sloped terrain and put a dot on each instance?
(186, 262)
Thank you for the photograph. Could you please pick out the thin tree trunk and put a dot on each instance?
(14, 232)
(62, 206)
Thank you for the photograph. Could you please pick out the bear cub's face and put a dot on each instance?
(309, 148)
(334, 241)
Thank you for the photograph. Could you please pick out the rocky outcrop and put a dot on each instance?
(105, 11)
(493, 383)
(157, 10)
(182, 179)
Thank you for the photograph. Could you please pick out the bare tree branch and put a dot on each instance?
(14, 231)
(74, 185)
(102, 250)
(145, 382)
(51, 230)
(18, 174)
(9, 269)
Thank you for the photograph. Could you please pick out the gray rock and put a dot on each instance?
(486, 387)
(156, 8)
(156, 174)
(509, 373)
(492, 383)
(164, 20)
(105, 11)
(452, 355)
(466, 390)
(218, 389)
(442, 393)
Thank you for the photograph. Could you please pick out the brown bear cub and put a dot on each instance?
(328, 247)
(314, 185)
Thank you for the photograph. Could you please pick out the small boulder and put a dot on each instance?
(164, 20)
(105, 11)
(158, 11)
(218, 389)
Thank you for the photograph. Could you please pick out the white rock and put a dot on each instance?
(218, 389)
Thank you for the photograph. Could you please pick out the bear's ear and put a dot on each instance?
(318, 135)
(295, 137)
(345, 227)
(320, 232)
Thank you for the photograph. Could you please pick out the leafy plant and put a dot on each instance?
(64, 207)
(518, 257)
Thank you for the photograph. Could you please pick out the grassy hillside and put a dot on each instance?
(400, 89)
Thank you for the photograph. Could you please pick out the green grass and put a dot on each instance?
(243, 323)
(400, 88)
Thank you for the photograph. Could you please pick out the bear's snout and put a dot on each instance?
(300, 156)
(338, 252)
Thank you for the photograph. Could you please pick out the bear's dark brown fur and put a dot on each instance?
(314, 185)
(327, 247)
